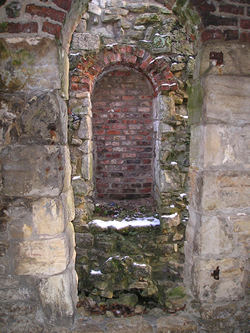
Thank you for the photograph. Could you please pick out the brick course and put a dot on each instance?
(123, 130)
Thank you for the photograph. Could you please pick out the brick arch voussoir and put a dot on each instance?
(155, 68)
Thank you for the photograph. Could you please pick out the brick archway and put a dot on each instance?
(155, 68)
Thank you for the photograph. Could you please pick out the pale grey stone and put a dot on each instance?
(85, 41)
(59, 296)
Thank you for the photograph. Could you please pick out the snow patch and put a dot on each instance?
(135, 223)
(172, 216)
(93, 272)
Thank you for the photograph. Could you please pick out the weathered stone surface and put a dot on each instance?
(87, 166)
(20, 220)
(85, 41)
(225, 190)
(235, 58)
(59, 296)
(85, 130)
(25, 67)
(176, 324)
(227, 98)
(68, 204)
(48, 216)
(40, 170)
(41, 257)
(215, 236)
(224, 147)
(133, 324)
(231, 283)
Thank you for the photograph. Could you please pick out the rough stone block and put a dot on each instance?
(196, 148)
(87, 166)
(235, 56)
(225, 190)
(68, 204)
(58, 295)
(179, 323)
(231, 283)
(41, 257)
(224, 146)
(34, 170)
(85, 129)
(37, 118)
(215, 237)
(85, 41)
(227, 99)
(33, 61)
(129, 325)
(48, 216)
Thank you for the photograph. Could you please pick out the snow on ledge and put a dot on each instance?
(136, 223)
(93, 272)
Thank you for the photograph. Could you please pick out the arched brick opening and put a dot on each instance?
(122, 105)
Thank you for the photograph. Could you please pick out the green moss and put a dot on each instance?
(177, 292)
(3, 26)
(4, 52)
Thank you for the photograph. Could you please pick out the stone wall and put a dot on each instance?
(34, 43)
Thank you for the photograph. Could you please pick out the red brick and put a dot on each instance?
(11, 27)
(231, 34)
(52, 13)
(64, 4)
(237, 10)
(146, 62)
(211, 34)
(218, 20)
(245, 37)
(245, 24)
(52, 29)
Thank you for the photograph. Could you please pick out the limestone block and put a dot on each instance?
(68, 204)
(87, 166)
(85, 41)
(241, 228)
(86, 147)
(169, 221)
(94, 9)
(15, 294)
(168, 181)
(235, 56)
(179, 323)
(196, 146)
(227, 98)
(44, 120)
(85, 130)
(225, 146)
(231, 284)
(20, 220)
(195, 191)
(34, 170)
(58, 295)
(41, 257)
(215, 237)
(34, 118)
(132, 324)
(48, 216)
(225, 190)
(29, 64)
(66, 160)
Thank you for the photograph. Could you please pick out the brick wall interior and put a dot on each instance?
(123, 135)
